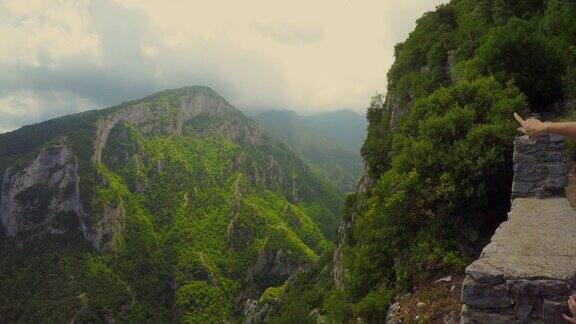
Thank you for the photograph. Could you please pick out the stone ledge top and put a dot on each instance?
(537, 241)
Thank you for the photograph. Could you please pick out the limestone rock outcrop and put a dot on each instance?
(271, 268)
(198, 103)
(104, 227)
(41, 197)
(254, 313)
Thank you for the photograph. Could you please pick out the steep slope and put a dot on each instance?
(438, 152)
(329, 142)
(175, 207)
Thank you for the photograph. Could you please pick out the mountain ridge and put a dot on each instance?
(147, 209)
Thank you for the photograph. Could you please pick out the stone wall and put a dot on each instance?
(540, 167)
(527, 271)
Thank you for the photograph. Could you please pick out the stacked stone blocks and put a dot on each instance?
(528, 270)
(489, 297)
(540, 167)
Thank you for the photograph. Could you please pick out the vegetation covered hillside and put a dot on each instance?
(330, 142)
(439, 149)
(172, 208)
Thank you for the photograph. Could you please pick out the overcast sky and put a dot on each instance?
(65, 56)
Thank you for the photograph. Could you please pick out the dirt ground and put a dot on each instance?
(432, 302)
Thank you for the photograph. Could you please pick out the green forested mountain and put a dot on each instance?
(439, 150)
(330, 142)
(172, 208)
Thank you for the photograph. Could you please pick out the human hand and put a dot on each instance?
(572, 305)
(531, 126)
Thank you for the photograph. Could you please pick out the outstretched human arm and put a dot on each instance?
(534, 128)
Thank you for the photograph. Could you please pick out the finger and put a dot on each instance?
(521, 130)
(572, 307)
(519, 119)
(569, 319)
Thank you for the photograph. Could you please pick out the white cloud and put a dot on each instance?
(290, 34)
(45, 33)
(304, 55)
(150, 50)
(24, 107)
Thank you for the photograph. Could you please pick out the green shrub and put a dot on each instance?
(198, 302)
(519, 51)
(271, 294)
(336, 305)
(374, 306)
(435, 198)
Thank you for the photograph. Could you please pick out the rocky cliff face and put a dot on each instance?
(42, 197)
(272, 268)
(345, 229)
(152, 119)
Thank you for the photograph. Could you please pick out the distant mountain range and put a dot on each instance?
(330, 142)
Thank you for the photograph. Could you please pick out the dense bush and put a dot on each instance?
(439, 145)
(450, 165)
(519, 51)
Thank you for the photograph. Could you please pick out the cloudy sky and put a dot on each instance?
(64, 56)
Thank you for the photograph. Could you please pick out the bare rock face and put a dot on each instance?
(271, 268)
(339, 271)
(147, 118)
(42, 197)
(393, 314)
(345, 230)
(255, 313)
(104, 228)
(392, 103)
(366, 182)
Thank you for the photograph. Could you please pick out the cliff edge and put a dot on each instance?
(526, 272)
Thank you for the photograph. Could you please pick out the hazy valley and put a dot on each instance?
(329, 142)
